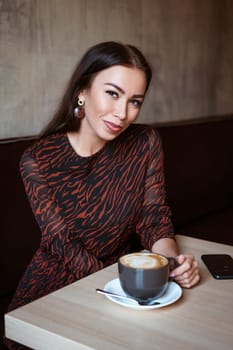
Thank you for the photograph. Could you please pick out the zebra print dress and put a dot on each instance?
(91, 209)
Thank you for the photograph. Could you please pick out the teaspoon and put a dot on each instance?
(137, 302)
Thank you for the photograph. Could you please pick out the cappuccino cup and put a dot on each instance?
(143, 275)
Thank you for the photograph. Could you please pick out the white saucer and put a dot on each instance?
(172, 294)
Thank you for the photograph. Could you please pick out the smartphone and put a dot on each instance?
(219, 265)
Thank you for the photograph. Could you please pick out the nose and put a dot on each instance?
(121, 110)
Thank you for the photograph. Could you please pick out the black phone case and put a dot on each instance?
(219, 265)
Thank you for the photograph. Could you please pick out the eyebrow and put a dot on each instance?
(122, 91)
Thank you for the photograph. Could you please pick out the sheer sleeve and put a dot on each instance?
(155, 222)
(56, 236)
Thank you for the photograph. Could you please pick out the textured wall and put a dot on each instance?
(188, 42)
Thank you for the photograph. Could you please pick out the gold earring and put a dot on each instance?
(80, 102)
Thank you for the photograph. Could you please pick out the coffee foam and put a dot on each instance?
(143, 261)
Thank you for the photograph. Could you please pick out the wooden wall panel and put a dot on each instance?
(188, 42)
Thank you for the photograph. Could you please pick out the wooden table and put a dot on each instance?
(76, 317)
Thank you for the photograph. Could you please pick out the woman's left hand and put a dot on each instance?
(187, 273)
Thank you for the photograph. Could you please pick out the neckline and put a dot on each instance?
(92, 156)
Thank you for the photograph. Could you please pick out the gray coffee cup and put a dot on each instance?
(143, 275)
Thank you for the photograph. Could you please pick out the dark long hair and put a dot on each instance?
(96, 59)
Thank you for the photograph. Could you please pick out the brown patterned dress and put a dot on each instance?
(91, 209)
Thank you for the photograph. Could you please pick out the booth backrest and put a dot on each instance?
(198, 167)
(20, 233)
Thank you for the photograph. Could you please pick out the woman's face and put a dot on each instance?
(112, 102)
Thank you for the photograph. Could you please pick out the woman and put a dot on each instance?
(95, 180)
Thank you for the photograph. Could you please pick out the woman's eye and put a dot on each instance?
(112, 93)
(136, 103)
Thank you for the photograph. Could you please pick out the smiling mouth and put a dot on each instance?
(113, 127)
